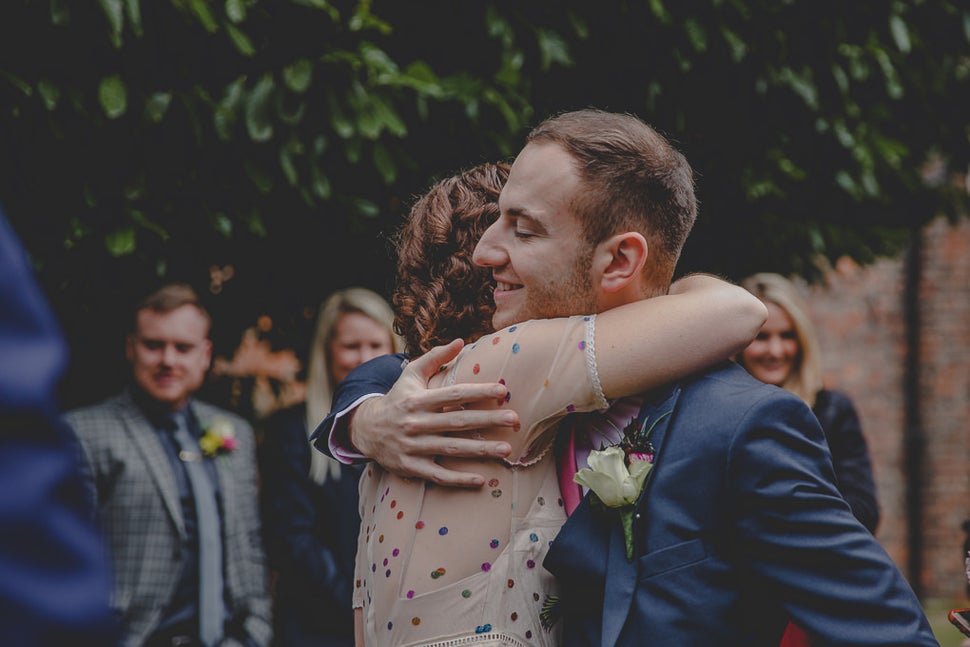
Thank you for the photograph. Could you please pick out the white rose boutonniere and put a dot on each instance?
(611, 479)
(616, 474)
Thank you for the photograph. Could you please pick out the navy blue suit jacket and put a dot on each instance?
(740, 529)
(55, 585)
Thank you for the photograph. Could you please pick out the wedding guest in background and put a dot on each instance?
(786, 353)
(55, 585)
(175, 484)
(309, 500)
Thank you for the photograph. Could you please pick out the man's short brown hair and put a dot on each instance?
(633, 180)
(168, 298)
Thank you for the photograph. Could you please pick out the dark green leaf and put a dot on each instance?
(157, 105)
(384, 163)
(552, 49)
(240, 40)
(145, 222)
(288, 166)
(343, 126)
(897, 25)
(262, 181)
(221, 223)
(133, 9)
(236, 10)
(298, 75)
(258, 110)
(254, 223)
(365, 207)
(113, 96)
(200, 8)
(113, 11)
(696, 34)
(320, 183)
(226, 110)
(120, 242)
(49, 92)
(737, 46)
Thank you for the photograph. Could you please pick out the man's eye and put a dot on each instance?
(184, 348)
(523, 234)
(151, 344)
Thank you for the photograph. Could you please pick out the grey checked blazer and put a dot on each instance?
(138, 505)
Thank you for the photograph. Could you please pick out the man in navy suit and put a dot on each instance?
(739, 527)
(55, 584)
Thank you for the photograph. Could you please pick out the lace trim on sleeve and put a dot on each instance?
(591, 361)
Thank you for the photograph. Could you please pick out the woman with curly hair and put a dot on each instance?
(448, 566)
(441, 295)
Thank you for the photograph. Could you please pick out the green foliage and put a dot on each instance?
(813, 125)
(287, 126)
(147, 140)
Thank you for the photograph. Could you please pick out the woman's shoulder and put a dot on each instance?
(536, 341)
(553, 327)
(832, 399)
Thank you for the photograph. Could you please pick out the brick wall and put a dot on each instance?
(859, 313)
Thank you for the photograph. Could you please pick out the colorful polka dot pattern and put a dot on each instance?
(412, 614)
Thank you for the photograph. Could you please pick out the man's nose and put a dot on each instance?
(168, 355)
(488, 252)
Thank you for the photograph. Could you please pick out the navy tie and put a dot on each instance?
(210, 536)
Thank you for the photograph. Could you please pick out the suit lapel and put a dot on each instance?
(621, 575)
(144, 437)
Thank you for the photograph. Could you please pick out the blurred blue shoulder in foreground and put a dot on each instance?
(55, 585)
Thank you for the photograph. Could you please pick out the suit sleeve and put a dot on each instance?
(55, 586)
(370, 379)
(800, 540)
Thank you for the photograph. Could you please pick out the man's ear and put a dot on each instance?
(130, 346)
(619, 260)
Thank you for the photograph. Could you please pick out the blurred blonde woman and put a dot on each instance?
(353, 326)
(786, 353)
(310, 500)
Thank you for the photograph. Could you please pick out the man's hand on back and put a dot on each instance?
(405, 430)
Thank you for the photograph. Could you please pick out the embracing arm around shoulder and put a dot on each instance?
(702, 321)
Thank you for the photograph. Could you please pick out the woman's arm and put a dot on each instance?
(358, 627)
(703, 320)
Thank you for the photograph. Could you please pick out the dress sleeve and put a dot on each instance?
(549, 369)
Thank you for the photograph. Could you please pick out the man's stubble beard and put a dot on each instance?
(572, 295)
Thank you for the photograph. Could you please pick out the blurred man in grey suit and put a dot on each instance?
(175, 485)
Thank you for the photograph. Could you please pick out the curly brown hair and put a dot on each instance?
(440, 294)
